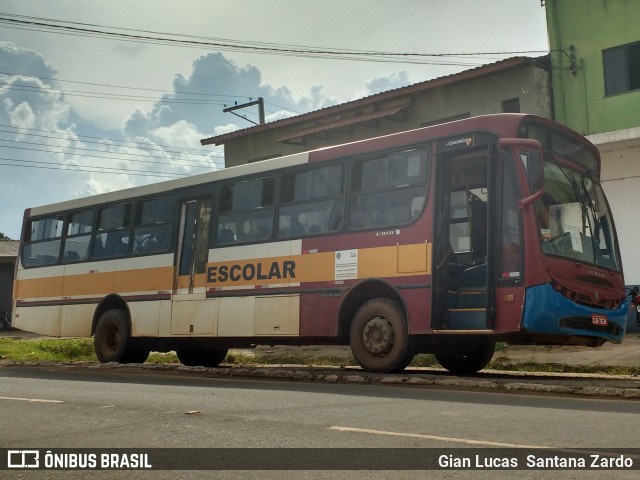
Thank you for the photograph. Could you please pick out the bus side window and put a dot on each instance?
(153, 225)
(43, 241)
(112, 236)
(245, 211)
(311, 202)
(79, 229)
(388, 191)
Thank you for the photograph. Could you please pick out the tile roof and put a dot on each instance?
(472, 74)
(8, 248)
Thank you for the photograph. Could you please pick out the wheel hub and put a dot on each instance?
(113, 339)
(378, 336)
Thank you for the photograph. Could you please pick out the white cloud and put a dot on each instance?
(386, 82)
(227, 128)
(47, 160)
(21, 117)
(163, 139)
(181, 134)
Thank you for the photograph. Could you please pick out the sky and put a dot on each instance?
(97, 96)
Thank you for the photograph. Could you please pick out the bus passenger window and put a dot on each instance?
(153, 225)
(42, 243)
(112, 239)
(311, 202)
(245, 211)
(388, 191)
(79, 229)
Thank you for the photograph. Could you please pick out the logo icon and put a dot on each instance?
(23, 459)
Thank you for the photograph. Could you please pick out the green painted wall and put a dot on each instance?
(591, 26)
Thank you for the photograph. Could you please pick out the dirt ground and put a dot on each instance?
(626, 354)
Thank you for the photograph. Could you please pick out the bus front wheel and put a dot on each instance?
(467, 357)
(113, 342)
(379, 337)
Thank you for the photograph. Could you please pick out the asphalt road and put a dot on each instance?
(52, 408)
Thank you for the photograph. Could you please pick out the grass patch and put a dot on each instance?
(424, 360)
(47, 350)
(240, 358)
(534, 367)
(158, 358)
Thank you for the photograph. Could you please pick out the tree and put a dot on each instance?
(3, 236)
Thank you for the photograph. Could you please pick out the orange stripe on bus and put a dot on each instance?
(100, 283)
(389, 261)
(39, 287)
(385, 262)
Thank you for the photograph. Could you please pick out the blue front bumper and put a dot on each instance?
(548, 312)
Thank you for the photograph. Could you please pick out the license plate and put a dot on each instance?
(599, 320)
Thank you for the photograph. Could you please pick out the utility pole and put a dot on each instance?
(259, 102)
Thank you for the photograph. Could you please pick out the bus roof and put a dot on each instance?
(503, 125)
(169, 185)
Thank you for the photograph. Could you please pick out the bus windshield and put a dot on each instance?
(574, 219)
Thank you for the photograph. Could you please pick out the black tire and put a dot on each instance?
(136, 352)
(112, 341)
(379, 337)
(198, 356)
(467, 357)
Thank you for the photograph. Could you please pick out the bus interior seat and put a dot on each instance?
(150, 245)
(474, 277)
(226, 236)
(296, 228)
(71, 256)
(114, 246)
(122, 248)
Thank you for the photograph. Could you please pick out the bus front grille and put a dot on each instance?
(585, 323)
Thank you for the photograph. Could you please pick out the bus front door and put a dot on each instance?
(191, 312)
(463, 245)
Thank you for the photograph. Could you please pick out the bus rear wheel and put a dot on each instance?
(379, 337)
(467, 357)
(198, 356)
(113, 342)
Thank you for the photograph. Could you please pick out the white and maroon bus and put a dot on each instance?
(439, 240)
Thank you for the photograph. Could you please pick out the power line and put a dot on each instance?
(124, 87)
(84, 168)
(124, 143)
(22, 142)
(113, 96)
(181, 40)
(122, 159)
(126, 97)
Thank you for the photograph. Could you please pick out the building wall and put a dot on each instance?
(591, 26)
(581, 102)
(477, 97)
(620, 152)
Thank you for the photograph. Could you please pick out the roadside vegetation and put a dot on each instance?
(81, 350)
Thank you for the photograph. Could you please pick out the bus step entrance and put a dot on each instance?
(467, 309)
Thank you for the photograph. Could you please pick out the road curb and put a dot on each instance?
(584, 385)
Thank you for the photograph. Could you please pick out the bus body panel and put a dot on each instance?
(509, 309)
(37, 294)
